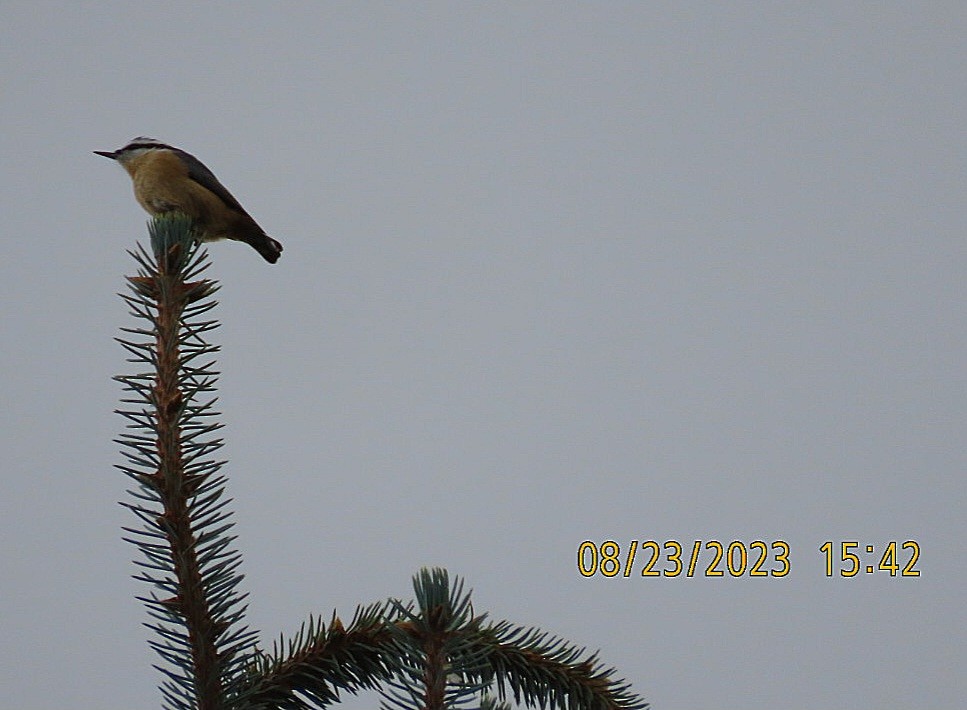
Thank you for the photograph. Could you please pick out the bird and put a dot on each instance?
(168, 179)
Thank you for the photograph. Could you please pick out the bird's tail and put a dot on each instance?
(265, 245)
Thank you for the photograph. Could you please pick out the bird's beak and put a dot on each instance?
(112, 154)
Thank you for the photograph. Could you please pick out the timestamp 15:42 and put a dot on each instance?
(853, 558)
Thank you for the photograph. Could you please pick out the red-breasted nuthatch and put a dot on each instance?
(167, 179)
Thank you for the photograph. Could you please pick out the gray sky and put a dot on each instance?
(552, 273)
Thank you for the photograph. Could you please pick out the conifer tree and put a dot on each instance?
(431, 653)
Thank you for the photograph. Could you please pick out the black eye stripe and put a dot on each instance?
(145, 143)
(136, 146)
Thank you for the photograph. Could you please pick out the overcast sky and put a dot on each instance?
(553, 272)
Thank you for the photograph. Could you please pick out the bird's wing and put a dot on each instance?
(206, 178)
